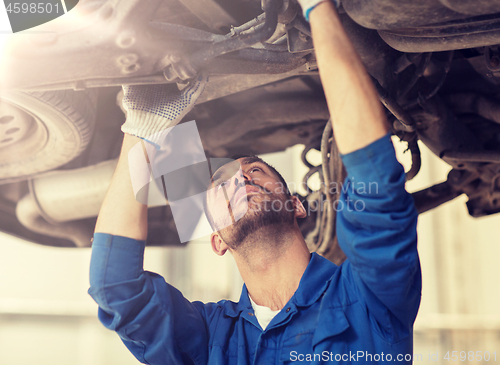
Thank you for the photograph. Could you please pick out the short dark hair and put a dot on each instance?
(252, 158)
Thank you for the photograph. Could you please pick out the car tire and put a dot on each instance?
(42, 130)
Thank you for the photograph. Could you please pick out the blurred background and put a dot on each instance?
(47, 317)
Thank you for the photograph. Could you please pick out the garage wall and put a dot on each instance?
(46, 317)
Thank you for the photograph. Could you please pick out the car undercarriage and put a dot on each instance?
(434, 63)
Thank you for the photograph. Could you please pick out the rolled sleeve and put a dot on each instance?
(377, 231)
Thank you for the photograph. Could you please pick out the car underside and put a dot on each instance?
(434, 63)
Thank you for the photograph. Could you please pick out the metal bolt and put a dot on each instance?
(175, 57)
(126, 39)
(131, 68)
(127, 59)
(494, 61)
(304, 37)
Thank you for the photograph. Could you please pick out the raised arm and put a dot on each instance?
(150, 110)
(148, 314)
(376, 223)
(121, 214)
(355, 109)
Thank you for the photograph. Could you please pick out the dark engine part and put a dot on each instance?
(462, 131)
(394, 14)
(429, 25)
(469, 33)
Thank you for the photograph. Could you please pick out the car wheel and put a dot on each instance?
(40, 131)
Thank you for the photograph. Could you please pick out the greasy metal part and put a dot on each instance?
(328, 227)
(481, 186)
(422, 98)
(299, 35)
(323, 239)
(99, 49)
(235, 31)
(434, 196)
(463, 103)
(467, 33)
(402, 116)
(210, 13)
(278, 34)
(28, 214)
(483, 191)
(267, 66)
(325, 139)
(69, 195)
(472, 156)
(301, 24)
(288, 11)
(424, 62)
(484, 195)
(416, 160)
(294, 110)
(442, 132)
(392, 14)
(281, 40)
(275, 55)
(185, 69)
(313, 234)
(492, 58)
(298, 41)
(403, 62)
(116, 32)
(468, 144)
(11, 225)
(477, 7)
(223, 85)
(100, 82)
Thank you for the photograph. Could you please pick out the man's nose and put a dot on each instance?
(243, 177)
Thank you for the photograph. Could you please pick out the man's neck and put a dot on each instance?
(272, 274)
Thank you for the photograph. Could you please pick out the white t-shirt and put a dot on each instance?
(263, 314)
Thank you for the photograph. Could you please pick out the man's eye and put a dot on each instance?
(254, 169)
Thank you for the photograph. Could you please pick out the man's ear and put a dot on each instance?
(218, 245)
(300, 211)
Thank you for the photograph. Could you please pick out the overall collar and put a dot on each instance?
(312, 285)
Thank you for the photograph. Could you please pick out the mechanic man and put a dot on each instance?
(294, 306)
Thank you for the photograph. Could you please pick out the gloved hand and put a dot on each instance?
(308, 5)
(153, 108)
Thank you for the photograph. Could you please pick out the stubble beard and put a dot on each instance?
(266, 220)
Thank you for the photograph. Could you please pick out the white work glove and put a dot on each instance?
(308, 5)
(153, 108)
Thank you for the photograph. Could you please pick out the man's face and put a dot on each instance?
(247, 195)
